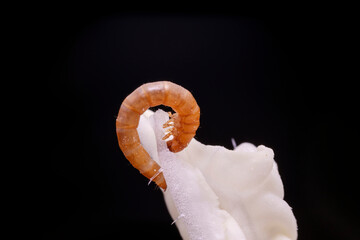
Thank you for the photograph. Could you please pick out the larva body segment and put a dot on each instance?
(185, 122)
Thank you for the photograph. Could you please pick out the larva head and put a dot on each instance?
(175, 146)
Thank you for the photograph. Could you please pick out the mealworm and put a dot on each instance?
(183, 123)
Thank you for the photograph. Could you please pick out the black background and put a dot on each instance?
(273, 79)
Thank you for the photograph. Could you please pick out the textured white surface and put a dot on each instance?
(216, 193)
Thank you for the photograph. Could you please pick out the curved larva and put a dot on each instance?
(185, 122)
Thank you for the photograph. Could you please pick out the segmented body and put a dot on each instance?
(184, 123)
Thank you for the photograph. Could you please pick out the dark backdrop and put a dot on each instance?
(271, 79)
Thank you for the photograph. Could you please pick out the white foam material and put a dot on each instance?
(220, 193)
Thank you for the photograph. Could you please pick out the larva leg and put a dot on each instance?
(167, 135)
